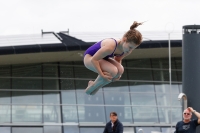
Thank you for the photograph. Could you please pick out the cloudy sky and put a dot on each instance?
(30, 16)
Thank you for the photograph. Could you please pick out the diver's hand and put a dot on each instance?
(107, 76)
(116, 79)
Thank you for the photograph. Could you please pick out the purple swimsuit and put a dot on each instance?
(95, 47)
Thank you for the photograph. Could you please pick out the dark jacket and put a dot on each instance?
(117, 128)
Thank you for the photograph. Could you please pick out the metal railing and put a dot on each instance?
(184, 97)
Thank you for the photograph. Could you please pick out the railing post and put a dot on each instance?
(184, 97)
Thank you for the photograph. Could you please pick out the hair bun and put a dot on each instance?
(135, 25)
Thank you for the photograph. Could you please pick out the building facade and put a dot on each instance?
(48, 96)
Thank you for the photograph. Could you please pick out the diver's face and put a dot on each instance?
(129, 46)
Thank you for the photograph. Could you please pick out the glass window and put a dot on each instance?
(51, 114)
(51, 98)
(143, 99)
(165, 88)
(69, 114)
(145, 114)
(141, 87)
(163, 63)
(178, 63)
(66, 71)
(167, 99)
(125, 74)
(91, 130)
(83, 98)
(175, 117)
(27, 77)
(163, 75)
(82, 72)
(50, 84)
(81, 85)
(25, 113)
(67, 84)
(163, 96)
(78, 63)
(5, 97)
(68, 97)
(5, 73)
(118, 86)
(26, 83)
(5, 130)
(165, 114)
(137, 74)
(179, 75)
(5, 114)
(124, 113)
(117, 98)
(71, 129)
(181, 88)
(27, 130)
(5, 83)
(26, 97)
(139, 69)
(139, 63)
(50, 71)
(52, 129)
(92, 110)
(91, 114)
(147, 129)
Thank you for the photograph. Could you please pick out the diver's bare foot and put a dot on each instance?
(89, 89)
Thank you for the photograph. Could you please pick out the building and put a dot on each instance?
(42, 82)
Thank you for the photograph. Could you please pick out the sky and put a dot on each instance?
(30, 16)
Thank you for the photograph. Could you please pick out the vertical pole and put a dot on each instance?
(170, 81)
(169, 29)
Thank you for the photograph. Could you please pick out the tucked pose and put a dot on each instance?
(188, 125)
(105, 58)
(114, 125)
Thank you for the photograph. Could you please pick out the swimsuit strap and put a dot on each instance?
(115, 46)
(115, 49)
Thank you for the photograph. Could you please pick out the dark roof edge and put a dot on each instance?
(60, 47)
(156, 44)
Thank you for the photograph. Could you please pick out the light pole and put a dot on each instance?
(169, 29)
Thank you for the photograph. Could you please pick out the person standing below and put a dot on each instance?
(114, 125)
(188, 125)
(105, 58)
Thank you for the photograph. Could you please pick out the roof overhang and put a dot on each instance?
(77, 55)
(49, 49)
